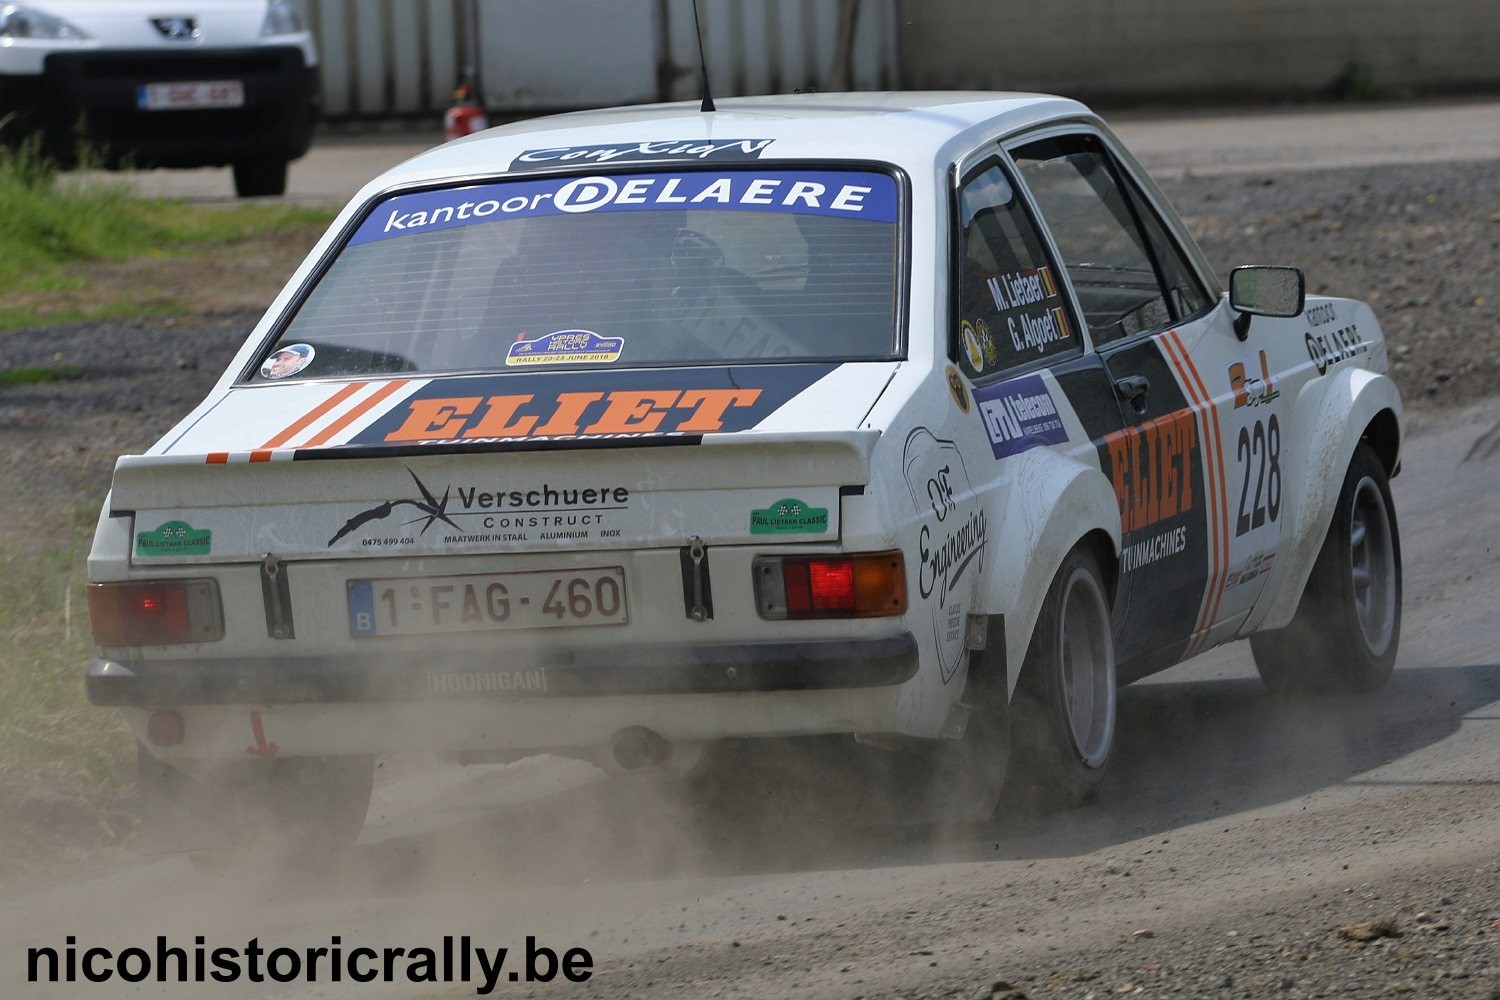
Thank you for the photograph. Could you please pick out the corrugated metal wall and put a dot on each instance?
(397, 58)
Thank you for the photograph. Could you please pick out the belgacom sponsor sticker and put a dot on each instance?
(1019, 415)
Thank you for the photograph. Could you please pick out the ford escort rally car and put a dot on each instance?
(917, 419)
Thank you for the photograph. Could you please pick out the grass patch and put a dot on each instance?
(34, 376)
(55, 222)
(47, 727)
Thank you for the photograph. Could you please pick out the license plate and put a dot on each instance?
(483, 601)
(194, 94)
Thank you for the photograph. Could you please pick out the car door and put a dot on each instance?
(1167, 342)
(1016, 337)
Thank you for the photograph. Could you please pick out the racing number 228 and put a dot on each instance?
(1259, 451)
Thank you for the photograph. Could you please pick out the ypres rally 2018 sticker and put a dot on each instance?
(566, 347)
(174, 538)
(788, 517)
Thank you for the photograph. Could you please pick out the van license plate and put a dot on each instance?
(193, 94)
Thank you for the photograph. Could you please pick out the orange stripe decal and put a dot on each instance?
(217, 458)
(1206, 439)
(260, 456)
(1214, 597)
(365, 405)
(1213, 416)
(311, 416)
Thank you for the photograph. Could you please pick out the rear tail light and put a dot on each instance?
(158, 613)
(865, 585)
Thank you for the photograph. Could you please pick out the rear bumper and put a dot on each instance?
(703, 669)
(99, 89)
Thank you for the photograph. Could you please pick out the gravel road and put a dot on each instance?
(1241, 848)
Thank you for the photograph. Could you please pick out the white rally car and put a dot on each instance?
(917, 419)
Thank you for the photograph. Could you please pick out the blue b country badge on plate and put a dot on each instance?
(566, 347)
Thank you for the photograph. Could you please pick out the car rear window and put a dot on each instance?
(619, 270)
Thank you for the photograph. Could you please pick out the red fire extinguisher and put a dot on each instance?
(466, 116)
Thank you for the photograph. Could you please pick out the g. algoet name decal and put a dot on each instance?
(836, 193)
(674, 149)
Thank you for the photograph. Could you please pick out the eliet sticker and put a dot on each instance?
(174, 538)
(566, 347)
(288, 361)
(789, 517)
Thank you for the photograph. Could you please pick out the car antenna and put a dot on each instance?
(708, 98)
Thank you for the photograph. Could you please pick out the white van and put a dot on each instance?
(204, 84)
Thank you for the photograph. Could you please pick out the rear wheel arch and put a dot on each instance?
(1056, 505)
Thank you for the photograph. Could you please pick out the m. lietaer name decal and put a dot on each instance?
(571, 406)
(1029, 302)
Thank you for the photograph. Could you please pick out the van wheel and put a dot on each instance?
(259, 178)
(1062, 718)
(304, 806)
(1344, 635)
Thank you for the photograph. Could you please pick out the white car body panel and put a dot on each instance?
(902, 454)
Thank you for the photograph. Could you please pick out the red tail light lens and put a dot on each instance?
(866, 585)
(832, 584)
(156, 613)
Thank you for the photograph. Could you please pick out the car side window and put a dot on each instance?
(1010, 306)
(1128, 276)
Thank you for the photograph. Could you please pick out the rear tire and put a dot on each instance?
(259, 178)
(303, 806)
(1345, 633)
(1062, 718)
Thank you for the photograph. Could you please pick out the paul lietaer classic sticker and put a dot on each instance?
(174, 538)
(789, 517)
(565, 347)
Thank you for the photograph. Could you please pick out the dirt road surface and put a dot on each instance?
(1234, 838)
(1301, 137)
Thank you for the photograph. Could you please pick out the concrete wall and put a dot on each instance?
(1202, 49)
(394, 58)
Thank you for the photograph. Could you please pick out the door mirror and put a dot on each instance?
(1267, 290)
